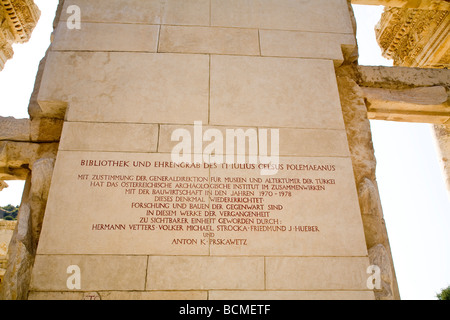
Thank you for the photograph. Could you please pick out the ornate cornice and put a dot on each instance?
(17, 21)
(415, 4)
(415, 37)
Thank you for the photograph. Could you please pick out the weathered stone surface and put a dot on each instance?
(358, 128)
(6, 231)
(411, 95)
(364, 165)
(13, 173)
(187, 273)
(106, 37)
(154, 295)
(41, 174)
(46, 129)
(24, 242)
(277, 43)
(21, 255)
(17, 154)
(120, 295)
(308, 15)
(422, 104)
(290, 295)
(145, 81)
(401, 77)
(406, 94)
(68, 296)
(172, 12)
(14, 129)
(380, 257)
(209, 40)
(15, 158)
(20, 155)
(424, 96)
(293, 142)
(369, 198)
(285, 95)
(112, 273)
(298, 273)
(88, 136)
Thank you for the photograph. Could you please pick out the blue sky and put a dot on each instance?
(414, 198)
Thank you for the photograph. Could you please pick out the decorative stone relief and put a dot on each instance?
(415, 37)
(17, 21)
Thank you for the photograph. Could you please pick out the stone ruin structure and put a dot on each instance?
(415, 34)
(6, 231)
(17, 21)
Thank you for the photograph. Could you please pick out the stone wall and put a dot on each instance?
(160, 65)
(29, 147)
(47, 112)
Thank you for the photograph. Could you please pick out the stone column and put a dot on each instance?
(25, 238)
(354, 108)
(364, 165)
(3, 185)
(27, 152)
(442, 134)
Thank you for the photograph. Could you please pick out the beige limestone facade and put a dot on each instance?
(226, 65)
(109, 97)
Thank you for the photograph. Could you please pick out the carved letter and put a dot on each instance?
(74, 280)
(74, 20)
